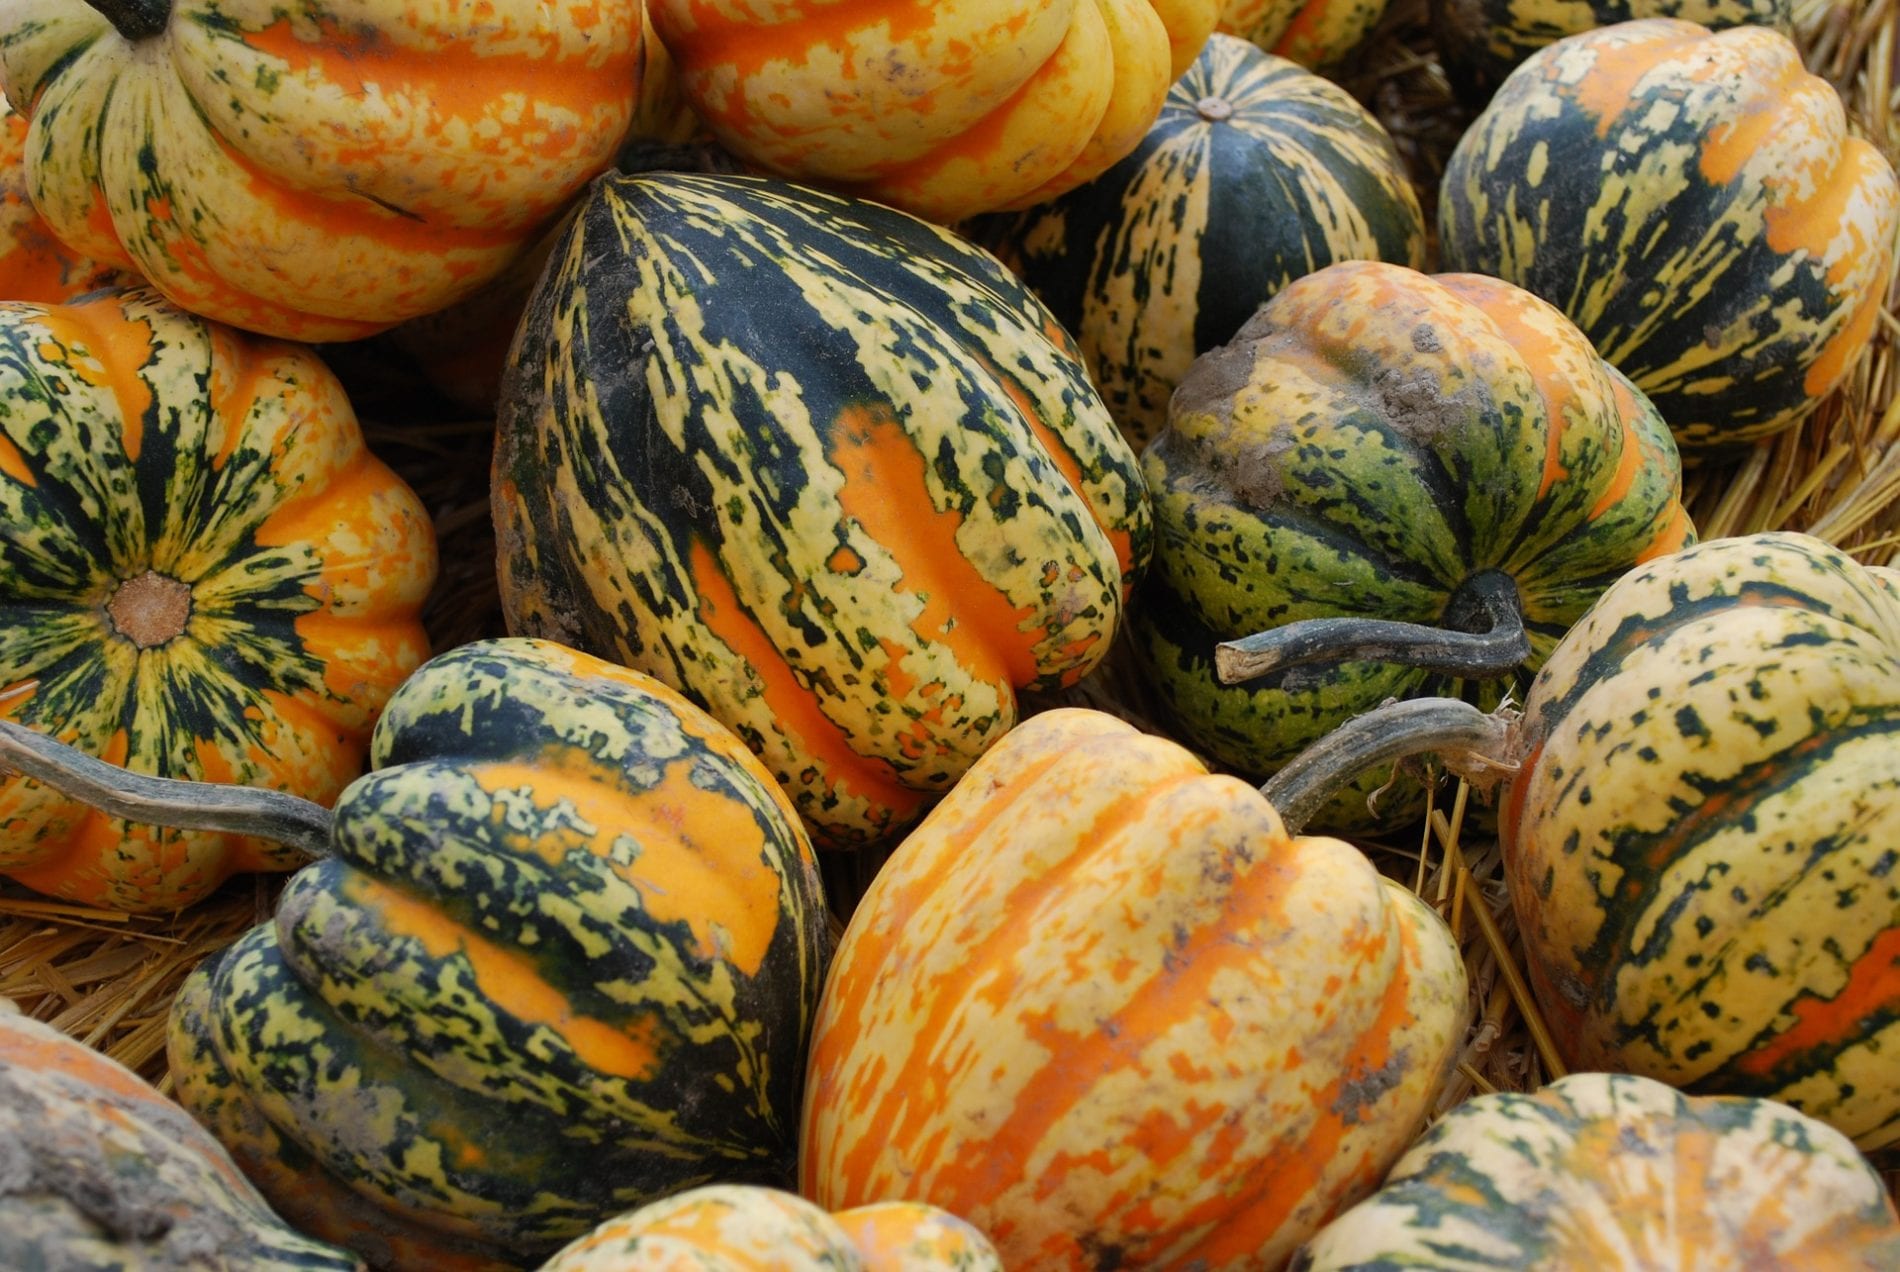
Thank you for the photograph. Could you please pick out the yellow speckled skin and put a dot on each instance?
(34, 264)
(1103, 1007)
(1314, 33)
(944, 108)
(323, 171)
(1616, 1173)
(1701, 841)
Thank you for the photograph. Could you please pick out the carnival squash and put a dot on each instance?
(736, 1228)
(34, 264)
(1619, 1174)
(203, 573)
(321, 171)
(101, 1173)
(1256, 173)
(1695, 203)
(1313, 33)
(1106, 1007)
(824, 467)
(1416, 483)
(944, 109)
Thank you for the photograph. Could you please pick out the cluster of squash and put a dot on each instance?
(914, 355)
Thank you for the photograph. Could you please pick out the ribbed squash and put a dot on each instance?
(945, 108)
(35, 265)
(562, 960)
(1313, 33)
(101, 1173)
(824, 467)
(203, 574)
(1103, 1005)
(1482, 41)
(1378, 446)
(1619, 1174)
(320, 171)
(736, 1228)
(1700, 840)
(1256, 173)
(1694, 203)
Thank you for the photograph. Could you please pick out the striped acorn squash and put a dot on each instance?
(824, 467)
(101, 1173)
(1256, 173)
(203, 574)
(1482, 41)
(1376, 448)
(1313, 33)
(1105, 1006)
(321, 170)
(34, 264)
(1619, 1174)
(1694, 203)
(1700, 841)
(740, 1228)
(944, 108)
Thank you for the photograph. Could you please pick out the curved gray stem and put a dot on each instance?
(164, 801)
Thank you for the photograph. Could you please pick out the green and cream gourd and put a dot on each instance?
(826, 468)
(1256, 173)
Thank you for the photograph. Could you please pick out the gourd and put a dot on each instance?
(1407, 485)
(730, 1228)
(323, 172)
(945, 110)
(1108, 1008)
(559, 958)
(1313, 33)
(1620, 1174)
(205, 574)
(1694, 202)
(1256, 173)
(99, 1172)
(826, 468)
(34, 265)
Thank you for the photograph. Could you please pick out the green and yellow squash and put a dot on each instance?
(1110, 1009)
(1695, 203)
(34, 264)
(1437, 472)
(101, 1173)
(1313, 33)
(203, 574)
(1619, 1174)
(1256, 173)
(824, 467)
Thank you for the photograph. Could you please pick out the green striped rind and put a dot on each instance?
(1695, 204)
(510, 1007)
(1620, 1174)
(1256, 173)
(1314, 33)
(1701, 845)
(804, 458)
(1370, 442)
(1482, 41)
(100, 1173)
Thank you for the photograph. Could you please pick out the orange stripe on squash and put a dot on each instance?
(1873, 987)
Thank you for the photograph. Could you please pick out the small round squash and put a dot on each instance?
(1313, 33)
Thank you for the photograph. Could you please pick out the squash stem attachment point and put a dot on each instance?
(136, 19)
(162, 801)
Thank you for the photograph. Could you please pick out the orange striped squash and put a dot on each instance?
(34, 264)
(1103, 1006)
(944, 108)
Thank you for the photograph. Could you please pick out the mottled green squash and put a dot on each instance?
(1695, 203)
(1314, 33)
(826, 468)
(1256, 173)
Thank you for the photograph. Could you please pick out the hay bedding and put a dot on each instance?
(108, 979)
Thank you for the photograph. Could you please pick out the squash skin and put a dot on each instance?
(1694, 203)
(284, 566)
(1100, 1005)
(1621, 1174)
(850, 518)
(101, 1173)
(1372, 442)
(943, 109)
(1703, 872)
(1313, 33)
(1256, 173)
(563, 962)
(34, 265)
(324, 175)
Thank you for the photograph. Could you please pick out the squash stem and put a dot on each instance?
(163, 801)
(1489, 596)
(136, 19)
(1465, 736)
